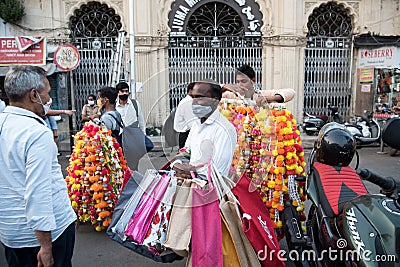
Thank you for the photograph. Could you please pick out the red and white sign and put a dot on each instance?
(67, 57)
(24, 42)
(382, 57)
(11, 55)
(382, 116)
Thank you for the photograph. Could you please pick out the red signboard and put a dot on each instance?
(10, 54)
(382, 116)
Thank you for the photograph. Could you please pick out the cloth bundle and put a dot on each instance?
(141, 217)
(213, 222)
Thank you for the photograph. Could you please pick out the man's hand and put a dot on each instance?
(183, 170)
(45, 257)
(230, 95)
(69, 112)
(93, 116)
(262, 100)
(240, 92)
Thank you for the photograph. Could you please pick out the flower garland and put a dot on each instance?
(269, 150)
(95, 175)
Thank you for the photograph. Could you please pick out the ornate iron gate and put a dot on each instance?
(94, 70)
(209, 40)
(199, 57)
(328, 60)
(95, 31)
(327, 76)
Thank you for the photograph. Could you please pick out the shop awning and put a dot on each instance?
(50, 68)
(369, 40)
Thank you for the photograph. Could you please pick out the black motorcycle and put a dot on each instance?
(312, 123)
(346, 226)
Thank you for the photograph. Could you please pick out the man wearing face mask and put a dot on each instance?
(111, 118)
(129, 108)
(212, 136)
(37, 221)
(90, 111)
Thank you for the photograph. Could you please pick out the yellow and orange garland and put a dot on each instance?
(269, 150)
(95, 175)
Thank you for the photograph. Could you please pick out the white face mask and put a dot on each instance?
(201, 111)
(46, 107)
(91, 102)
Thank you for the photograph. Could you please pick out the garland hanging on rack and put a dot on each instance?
(269, 150)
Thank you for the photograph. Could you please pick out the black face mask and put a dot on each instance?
(123, 97)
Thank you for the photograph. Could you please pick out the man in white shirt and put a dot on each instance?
(212, 136)
(2, 105)
(36, 220)
(130, 111)
(184, 117)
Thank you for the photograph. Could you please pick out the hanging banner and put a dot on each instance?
(10, 53)
(247, 10)
(24, 42)
(382, 57)
(367, 75)
(67, 57)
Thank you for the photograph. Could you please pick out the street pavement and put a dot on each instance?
(97, 249)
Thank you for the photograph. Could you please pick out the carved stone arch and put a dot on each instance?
(253, 25)
(165, 8)
(72, 6)
(265, 10)
(352, 9)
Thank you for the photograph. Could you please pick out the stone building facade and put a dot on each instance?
(306, 45)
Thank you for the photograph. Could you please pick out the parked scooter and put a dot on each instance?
(345, 226)
(313, 123)
(366, 129)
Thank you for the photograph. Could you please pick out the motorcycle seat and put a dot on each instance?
(323, 117)
(336, 186)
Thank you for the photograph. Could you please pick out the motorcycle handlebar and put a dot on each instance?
(388, 184)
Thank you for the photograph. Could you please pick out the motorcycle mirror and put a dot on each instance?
(390, 135)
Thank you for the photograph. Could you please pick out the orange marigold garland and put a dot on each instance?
(95, 175)
(269, 150)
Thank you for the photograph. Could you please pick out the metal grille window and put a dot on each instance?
(94, 70)
(94, 28)
(328, 60)
(215, 19)
(95, 20)
(214, 46)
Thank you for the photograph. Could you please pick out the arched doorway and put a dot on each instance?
(328, 60)
(209, 40)
(94, 31)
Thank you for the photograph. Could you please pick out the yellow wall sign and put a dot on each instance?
(367, 75)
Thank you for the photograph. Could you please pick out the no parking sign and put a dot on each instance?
(67, 57)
